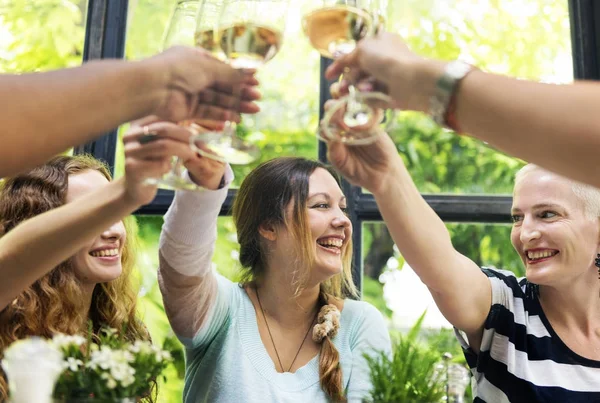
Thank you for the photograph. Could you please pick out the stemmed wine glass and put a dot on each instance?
(180, 31)
(249, 33)
(333, 28)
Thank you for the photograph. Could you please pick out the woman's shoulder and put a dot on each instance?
(364, 324)
(361, 314)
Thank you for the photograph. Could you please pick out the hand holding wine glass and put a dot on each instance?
(380, 56)
(334, 27)
(180, 31)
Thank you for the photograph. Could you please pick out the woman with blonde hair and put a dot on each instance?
(287, 332)
(66, 254)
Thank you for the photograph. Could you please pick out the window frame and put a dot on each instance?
(105, 38)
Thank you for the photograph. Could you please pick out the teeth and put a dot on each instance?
(336, 242)
(540, 254)
(105, 253)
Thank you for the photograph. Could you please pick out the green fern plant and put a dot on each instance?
(409, 375)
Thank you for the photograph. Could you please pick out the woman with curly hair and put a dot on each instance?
(65, 254)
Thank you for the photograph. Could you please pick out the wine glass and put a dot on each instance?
(180, 31)
(207, 23)
(249, 34)
(333, 27)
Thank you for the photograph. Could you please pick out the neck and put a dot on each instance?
(573, 306)
(87, 291)
(278, 301)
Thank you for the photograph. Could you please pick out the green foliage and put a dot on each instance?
(40, 35)
(409, 375)
(524, 38)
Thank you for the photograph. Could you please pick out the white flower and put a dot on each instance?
(140, 346)
(111, 383)
(33, 366)
(73, 364)
(61, 340)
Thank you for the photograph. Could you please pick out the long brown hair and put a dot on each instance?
(263, 198)
(51, 304)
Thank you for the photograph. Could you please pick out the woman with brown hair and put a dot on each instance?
(286, 332)
(65, 254)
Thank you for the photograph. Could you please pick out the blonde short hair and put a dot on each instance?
(589, 195)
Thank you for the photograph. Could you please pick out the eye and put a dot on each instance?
(345, 210)
(320, 205)
(548, 214)
(516, 218)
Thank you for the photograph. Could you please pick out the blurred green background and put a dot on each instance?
(522, 38)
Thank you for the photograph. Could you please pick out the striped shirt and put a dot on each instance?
(521, 358)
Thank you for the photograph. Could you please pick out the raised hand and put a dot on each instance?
(199, 86)
(392, 68)
(151, 156)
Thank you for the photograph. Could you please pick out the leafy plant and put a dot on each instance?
(410, 374)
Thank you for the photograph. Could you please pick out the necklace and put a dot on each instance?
(273, 341)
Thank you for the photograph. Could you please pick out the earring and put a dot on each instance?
(597, 263)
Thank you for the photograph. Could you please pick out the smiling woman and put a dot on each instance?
(94, 283)
(295, 252)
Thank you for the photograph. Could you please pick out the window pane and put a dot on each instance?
(395, 289)
(289, 83)
(521, 38)
(40, 36)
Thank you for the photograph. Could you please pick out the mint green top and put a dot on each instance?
(227, 362)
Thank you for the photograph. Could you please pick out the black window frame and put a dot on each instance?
(105, 38)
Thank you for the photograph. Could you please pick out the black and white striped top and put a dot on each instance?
(521, 358)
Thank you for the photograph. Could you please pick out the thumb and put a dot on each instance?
(336, 153)
(340, 64)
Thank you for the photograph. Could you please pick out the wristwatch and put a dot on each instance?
(445, 90)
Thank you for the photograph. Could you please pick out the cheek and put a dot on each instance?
(515, 238)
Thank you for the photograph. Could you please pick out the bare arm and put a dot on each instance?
(46, 113)
(36, 246)
(460, 289)
(554, 126)
(56, 235)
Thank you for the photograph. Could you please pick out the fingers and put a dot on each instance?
(340, 65)
(142, 169)
(158, 150)
(246, 78)
(242, 102)
(161, 130)
(215, 113)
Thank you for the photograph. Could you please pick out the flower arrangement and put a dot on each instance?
(105, 368)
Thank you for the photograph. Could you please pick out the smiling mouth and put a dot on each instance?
(333, 245)
(105, 253)
(539, 256)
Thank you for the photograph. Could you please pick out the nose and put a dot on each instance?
(341, 220)
(115, 232)
(529, 231)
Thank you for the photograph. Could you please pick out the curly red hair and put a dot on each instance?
(52, 303)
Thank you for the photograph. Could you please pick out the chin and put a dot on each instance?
(104, 275)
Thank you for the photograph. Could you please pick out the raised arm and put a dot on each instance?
(43, 114)
(460, 289)
(554, 126)
(187, 243)
(36, 246)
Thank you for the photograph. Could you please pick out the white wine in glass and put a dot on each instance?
(249, 34)
(334, 27)
(249, 46)
(207, 24)
(180, 31)
(334, 31)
